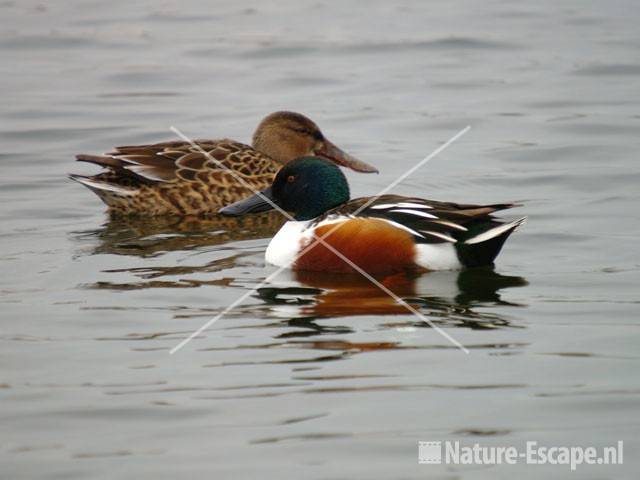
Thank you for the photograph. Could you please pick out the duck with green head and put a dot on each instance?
(381, 235)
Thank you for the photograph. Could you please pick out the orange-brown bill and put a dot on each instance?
(336, 155)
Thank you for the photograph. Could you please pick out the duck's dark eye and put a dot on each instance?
(291, 178)
(317, 134)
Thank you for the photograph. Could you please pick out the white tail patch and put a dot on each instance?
(417, 213)
(103, 186)
(495, 231)
(439, 256)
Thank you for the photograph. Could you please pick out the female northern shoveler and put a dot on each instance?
(176, 178)
(381, 235)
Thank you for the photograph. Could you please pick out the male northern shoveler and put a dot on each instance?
(176, 178)
(387, 234)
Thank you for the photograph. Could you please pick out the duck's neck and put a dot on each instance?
(312, 209)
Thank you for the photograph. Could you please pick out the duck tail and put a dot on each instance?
(110, 193)
(482, 248)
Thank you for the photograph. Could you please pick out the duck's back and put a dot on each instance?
(178, 177)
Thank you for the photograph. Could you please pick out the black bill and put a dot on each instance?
(259, 202)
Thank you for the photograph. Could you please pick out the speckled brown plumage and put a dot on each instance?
(179, 178)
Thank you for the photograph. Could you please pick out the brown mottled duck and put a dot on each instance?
(181, 178)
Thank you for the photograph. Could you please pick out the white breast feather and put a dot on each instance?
(284, 247)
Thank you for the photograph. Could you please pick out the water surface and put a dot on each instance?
(311, 377)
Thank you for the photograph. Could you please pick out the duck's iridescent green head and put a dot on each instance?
(309, 186)
(306, 187)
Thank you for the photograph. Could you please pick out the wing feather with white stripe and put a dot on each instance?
(429, 221)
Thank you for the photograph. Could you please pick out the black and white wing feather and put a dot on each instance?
(428, 221)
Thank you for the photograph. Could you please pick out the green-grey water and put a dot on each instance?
(315, 377)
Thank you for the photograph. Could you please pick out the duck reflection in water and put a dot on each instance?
(447, 297)
(144, 237)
